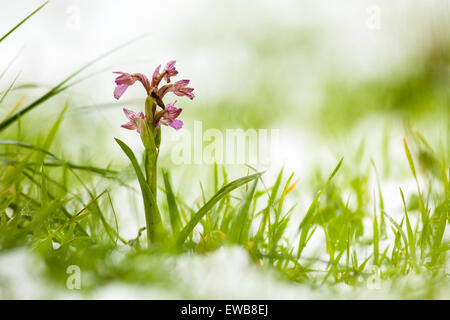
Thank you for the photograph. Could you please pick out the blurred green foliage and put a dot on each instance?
(58, 201)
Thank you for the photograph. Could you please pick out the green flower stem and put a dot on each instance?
(151, 159)
(151, 139)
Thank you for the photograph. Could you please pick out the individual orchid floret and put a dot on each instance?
(169, 70)
(170, 115)
(156, 78)
(164, 89)
(179, 88)
(124, 80)
(132, 117)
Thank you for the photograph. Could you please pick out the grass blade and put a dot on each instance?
(217, 197)
(57, 89)
(9, 89)
(411, 238)
(22, 22)
(307, 220)
(59, 162)
(172, 204)
(272, 198)
(376, 236)
(239, 230)
(398, 228)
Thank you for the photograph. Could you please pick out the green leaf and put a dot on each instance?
(239, 230)
(411, 238)
(398, 227)
(376, 237)
(56, 90)
(336, 169)
(439, 222)
(272, 198)
(380, 196)
(306, 223)
(217, 197)
(152, 217)
(22, 22)
(175, 220)
(9, 89)
(59, 162)
(423, 211)
(51, 136)
(307, 220)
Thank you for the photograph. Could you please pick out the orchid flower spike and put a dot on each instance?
(169, 113)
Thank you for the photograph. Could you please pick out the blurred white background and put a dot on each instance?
(215, 44)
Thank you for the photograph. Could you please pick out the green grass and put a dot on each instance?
(61, 204)
(63, 212)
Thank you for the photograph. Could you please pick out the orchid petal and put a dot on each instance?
(176, 124)
(155, 76)
(119, 90)
(169, 70)
(129, 125)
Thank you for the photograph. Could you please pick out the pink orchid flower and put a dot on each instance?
(169, 70)
(179, 88)
(132, 117)
(124, 80)
(169, 117)
(156, 77)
